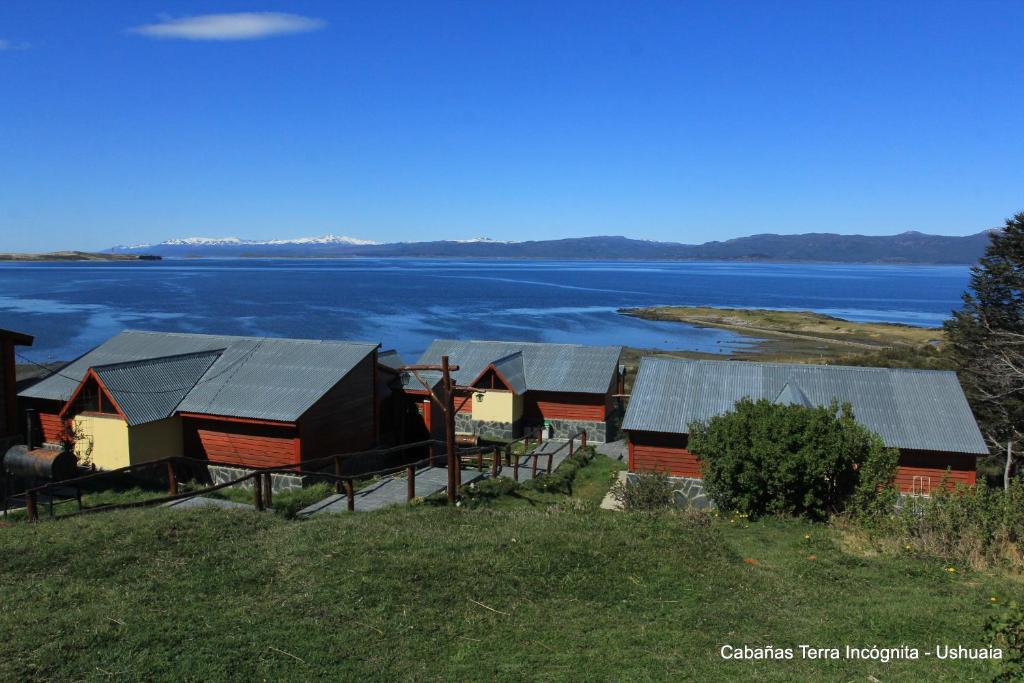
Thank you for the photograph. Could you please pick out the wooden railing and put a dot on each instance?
(260, 477)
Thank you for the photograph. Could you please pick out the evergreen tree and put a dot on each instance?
(986, 337)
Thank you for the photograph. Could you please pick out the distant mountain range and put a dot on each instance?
(907, 247)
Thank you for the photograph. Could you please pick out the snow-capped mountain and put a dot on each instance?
(827, 247)
(234, 241)
(485, 240)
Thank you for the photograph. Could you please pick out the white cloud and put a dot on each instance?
(238, 26)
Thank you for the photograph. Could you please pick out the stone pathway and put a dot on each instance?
(609, 502)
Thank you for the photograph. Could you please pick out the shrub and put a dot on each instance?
(646, 491)
(560, 481)
(1006, 631)
(764, 458)
(978, 526)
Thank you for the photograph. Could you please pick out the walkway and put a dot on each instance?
(389, 492)
(431, 480)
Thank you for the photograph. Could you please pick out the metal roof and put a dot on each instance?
(513, 370)
(255, 377)
(571, 368)
(149, 390)
(390, 359)
(913, 409)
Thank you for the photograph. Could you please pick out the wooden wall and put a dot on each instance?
(656, 452)
(651, 451)
(48, 425)
(250, 444)
(930, 467)
(344, 419)
(565, 406)
(8, 397)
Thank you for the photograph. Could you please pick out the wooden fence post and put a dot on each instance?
(480, 461)
(495, 457)
(533, 467)
(257, 491)
(515, 465)
(571, 439)
(350, 491)
(30, 506)
(337, 474)
(268, 490)
(172, 480)
(583, 439)
(410, 482)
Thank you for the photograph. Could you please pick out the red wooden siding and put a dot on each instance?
(52, 427)
(654, 452)
(344, 419)
(918, 471)
(48, 425)
(463, 401)
(241, 443)
(926, 469)
(549, 405)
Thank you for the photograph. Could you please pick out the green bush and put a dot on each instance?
(976, 526)
(764, 458)
(1006, 631)
(647, 491)
(560, 481)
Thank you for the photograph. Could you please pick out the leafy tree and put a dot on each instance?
(986, 337)
(764, 458)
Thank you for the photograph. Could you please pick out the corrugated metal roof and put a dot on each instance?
(255, 377)
(390, 359)
(148, 390)
(572, 368)
(914, 409)
(513, 370)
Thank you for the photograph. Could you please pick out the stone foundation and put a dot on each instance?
(687, 493)
(278, 482)
(507, 431)
(597, 432)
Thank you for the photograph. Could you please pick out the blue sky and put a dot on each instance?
(135, 121)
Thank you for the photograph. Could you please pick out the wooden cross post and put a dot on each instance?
(447, 406)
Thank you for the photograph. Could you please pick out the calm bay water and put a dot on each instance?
(404, 303)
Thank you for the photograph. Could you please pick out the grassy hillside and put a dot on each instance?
(563, 592)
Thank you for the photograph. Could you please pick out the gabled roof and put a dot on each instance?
(253, 377)
(390, 359)
(791, 394)
(570, 368)
(511, 370)
(149, 390)
(913, 409)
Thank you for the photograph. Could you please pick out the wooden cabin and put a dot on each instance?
(246, 401)
(503, 388)
(10, 425)
(923, 413)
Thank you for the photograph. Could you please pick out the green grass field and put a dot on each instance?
(538, 587)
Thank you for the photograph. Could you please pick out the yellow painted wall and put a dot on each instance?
(497, 406)
(106, 436)
(155, 440)
(114, 444)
